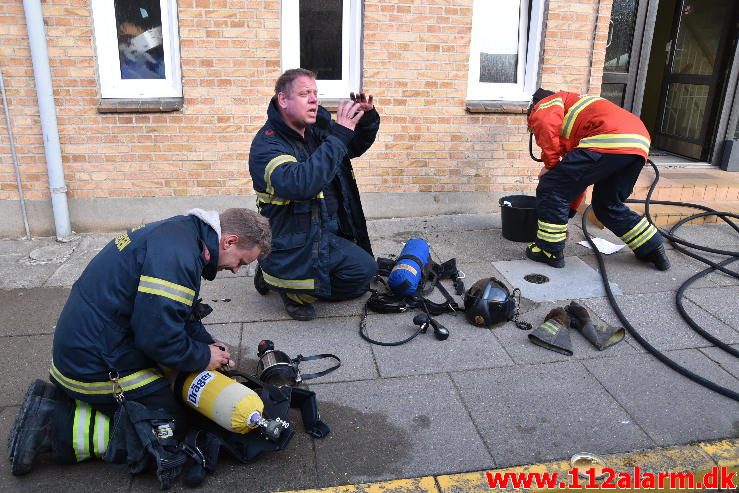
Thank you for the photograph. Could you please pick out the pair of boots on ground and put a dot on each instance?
(554, 333)
(657, 257)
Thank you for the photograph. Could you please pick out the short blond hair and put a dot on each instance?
(251, 227)
(287, 79)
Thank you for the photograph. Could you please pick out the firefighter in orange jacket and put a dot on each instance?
(587, 140)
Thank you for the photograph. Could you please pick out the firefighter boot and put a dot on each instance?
(658, 257)
(298, 308)
(538, 255)
(554, 333)
(259, 283)
(602, 336)
(31, 432)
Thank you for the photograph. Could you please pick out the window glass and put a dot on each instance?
(320, 37)
(324, 36)
(613, 92)
(137, 46)
(499, 42)
(504, 49)
(139, 28)
(622, 25)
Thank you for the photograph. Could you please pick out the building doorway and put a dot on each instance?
(669, 62)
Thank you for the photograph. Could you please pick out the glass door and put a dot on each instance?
(692, 84)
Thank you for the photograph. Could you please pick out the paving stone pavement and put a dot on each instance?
(483, 399)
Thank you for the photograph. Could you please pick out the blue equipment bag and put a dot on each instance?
(409, 268)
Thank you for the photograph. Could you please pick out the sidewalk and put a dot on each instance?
(481, 400)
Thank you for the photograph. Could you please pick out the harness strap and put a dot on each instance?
(314, 357)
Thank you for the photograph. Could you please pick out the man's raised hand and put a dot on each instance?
(349, 113)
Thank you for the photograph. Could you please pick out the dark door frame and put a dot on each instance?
(700, 147)
(729, 103)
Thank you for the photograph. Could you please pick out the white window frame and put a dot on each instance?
(109, 68)
(351, 28)
(528, 60)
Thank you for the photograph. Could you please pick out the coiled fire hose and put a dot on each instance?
(680, 245)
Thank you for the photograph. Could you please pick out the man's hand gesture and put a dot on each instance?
(348, 114)
(365, 102)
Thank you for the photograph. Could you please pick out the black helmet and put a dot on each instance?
(488, 302)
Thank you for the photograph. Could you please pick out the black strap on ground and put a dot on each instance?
(679, 245)
(310, 376)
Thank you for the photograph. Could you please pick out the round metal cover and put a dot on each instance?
(585, 461)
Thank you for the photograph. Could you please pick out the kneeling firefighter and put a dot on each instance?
(132, 315)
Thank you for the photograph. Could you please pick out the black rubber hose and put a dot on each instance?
(679, 302)
(635, 333)
(531, 149)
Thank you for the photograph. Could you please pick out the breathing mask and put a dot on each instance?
(489, 302)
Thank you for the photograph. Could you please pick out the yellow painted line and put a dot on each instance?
(723, 452)
(696, 458)
(424, 484)
(478, 481)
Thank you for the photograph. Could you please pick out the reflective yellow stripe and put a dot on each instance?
(320, 195)
(100, 440)
(550, 327)
(633, 232)
(611, 141)
(551, 227)
(301, 298)
(553, 102)
(289, 283)
(81, 430)
(551, 237)
(128, 383)
(275, 162)
(571, 115)
(266, 198)
(640, 240)
(160, 287)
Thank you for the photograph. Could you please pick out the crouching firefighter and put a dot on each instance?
(133, 313)
(587, 140)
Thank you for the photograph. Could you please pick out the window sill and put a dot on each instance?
(517, 107)
(331, 104)
(155, 105)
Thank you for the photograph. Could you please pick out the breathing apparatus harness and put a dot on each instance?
(412, 276)
(679, 244)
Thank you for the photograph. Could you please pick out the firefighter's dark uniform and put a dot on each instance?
(130, 312)
(601, 144)
(306, 187)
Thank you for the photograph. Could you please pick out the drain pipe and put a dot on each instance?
(11, 139)
(47, 112)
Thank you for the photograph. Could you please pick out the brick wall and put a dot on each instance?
(415, 63)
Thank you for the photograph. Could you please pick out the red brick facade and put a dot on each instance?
(415, 62)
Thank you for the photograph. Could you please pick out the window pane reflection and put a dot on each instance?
(623, 21)
(684, 111)
(613, 93)
(139, 26)
(320, 37)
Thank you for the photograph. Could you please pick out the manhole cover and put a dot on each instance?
(536, 278)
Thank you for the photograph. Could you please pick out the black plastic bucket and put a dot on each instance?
(518, 214)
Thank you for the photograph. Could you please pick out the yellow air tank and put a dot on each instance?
(232, 405)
